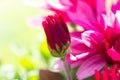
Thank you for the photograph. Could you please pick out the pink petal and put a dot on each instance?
(35, 21)
(97, 75)
(110, 33)
(36, 4)
(83, 9)
(66, 2)
(72, 60)
(85, 14)
(75, 58)
(105, 76)
(113, 55)
(88, 67)
(116, 6)
(92, 39)
(76, 64)
(117, 21)
(75, 40)
(101, 20)
(92, 3)
(100, 5)
(118, 15)
(114, 73)
(56, 4)
(109, 19)
(58, 65)
(78, 46)
(76, 34)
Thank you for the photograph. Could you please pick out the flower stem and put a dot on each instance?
(67, 70)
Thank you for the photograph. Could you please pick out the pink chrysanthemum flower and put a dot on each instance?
(92, 49)
(108, 73)
(80, 12)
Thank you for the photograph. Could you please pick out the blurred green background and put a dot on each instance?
(23, 50)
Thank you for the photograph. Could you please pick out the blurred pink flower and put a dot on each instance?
(81, 12)
(108, 73)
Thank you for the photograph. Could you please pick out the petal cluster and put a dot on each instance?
(112, 73)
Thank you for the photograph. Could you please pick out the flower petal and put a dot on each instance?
(36, 4)
(66, 2)
(56, 4)
(109, 19)
(88, 67)
(97, 75)
(35, 21)
(85, 14)
(75, 58)
(116, 6)
(58, 65)
(100, 5)
(118, 15)
(113, 55)
(78, 46)
(92, 39)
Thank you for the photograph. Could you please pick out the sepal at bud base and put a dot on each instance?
(60, 52)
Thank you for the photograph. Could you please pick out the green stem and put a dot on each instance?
(67, 70)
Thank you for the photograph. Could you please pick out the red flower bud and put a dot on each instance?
(57, 34)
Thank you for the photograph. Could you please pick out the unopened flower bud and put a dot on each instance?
(57, 34)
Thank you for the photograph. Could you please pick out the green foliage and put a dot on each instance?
(17, 76)
(74, 70)
(27, 63)
(90, 78)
